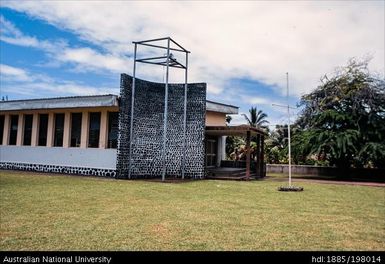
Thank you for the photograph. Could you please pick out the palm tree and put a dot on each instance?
(257, 118)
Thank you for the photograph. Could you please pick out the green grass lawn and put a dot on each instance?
(57, 212)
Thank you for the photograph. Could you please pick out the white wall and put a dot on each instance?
(75, 157)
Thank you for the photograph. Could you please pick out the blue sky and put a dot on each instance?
(242, 50)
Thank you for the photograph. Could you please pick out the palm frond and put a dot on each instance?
(247, 119)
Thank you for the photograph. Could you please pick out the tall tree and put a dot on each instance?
(257, 118)
(344, 118)
(276, 145)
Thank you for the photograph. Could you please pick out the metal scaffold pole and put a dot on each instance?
(184, 119)
(165, 113)
(288, 107)
(132, 114)
(288, 125)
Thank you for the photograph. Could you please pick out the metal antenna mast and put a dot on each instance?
(288, 125)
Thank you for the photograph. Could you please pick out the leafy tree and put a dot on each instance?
(257, 118)
(276, 145)
(233, 143)
(343, 120)
(280, 136)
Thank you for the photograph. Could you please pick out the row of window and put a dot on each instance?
(75, 129)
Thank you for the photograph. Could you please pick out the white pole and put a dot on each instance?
(288, 126)
(132, 114)
(184, 118)
(165, 112)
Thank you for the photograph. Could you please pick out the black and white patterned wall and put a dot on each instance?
(58, 169)
(148, 129)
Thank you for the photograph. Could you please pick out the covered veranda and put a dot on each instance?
(251, 167)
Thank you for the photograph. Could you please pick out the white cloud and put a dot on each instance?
(24, 83)
(63, 88)
(84, 59)
(18, 75)
(15, 74)
(88, 58)
(258, 100)
(12, 35)
(257, 40)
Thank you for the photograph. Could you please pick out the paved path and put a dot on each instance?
(374, 184)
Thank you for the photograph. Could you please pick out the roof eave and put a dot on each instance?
(60, 103)
(221, 108)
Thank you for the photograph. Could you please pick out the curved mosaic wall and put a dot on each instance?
(148, 129)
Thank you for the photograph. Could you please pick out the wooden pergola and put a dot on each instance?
(247, 132)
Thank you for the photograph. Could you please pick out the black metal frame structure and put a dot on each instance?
(167, 61)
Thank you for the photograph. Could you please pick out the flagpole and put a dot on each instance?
(288, 125)
(287, 106)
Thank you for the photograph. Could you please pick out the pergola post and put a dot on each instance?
(257, 165)
(248, 154)
(262, 156)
